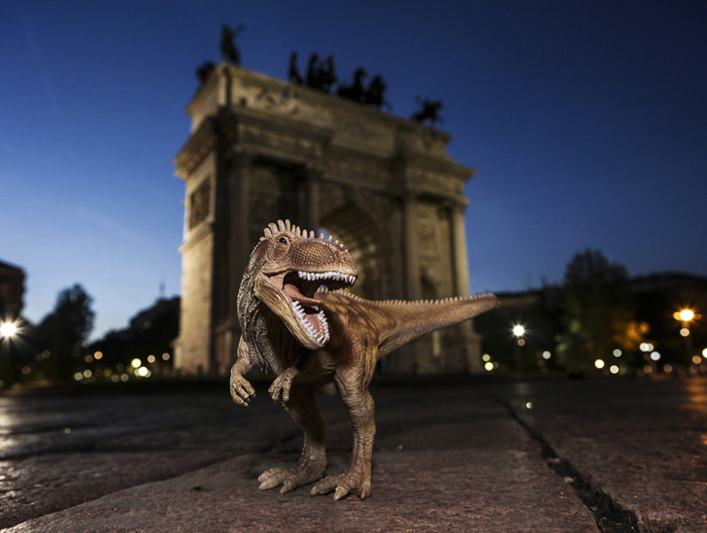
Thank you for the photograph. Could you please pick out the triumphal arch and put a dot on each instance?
(262, 149)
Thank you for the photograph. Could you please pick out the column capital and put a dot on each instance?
(242, 153)
(314, 169)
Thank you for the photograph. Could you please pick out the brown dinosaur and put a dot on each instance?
(310, 338)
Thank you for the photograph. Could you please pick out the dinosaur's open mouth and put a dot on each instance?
(300, 287)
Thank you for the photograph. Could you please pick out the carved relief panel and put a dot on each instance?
(200, 204)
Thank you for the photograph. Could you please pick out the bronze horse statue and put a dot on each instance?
(429, 112)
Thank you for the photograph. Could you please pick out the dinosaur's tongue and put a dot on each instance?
(293, 293)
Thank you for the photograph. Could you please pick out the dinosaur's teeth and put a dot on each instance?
(334, 276)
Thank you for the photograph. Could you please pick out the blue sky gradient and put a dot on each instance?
(586, 121)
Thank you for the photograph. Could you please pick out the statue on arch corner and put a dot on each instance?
(229, 51)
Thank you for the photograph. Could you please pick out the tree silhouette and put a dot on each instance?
(65, 330)
(151, 332)
(598, 312)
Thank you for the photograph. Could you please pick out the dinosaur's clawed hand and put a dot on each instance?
(280, 388)
(241, 389)
(350, 481)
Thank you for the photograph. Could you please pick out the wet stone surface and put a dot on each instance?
(485, 457)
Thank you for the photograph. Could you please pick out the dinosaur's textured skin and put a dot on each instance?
(329, 340)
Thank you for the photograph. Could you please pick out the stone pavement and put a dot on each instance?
(614, 455)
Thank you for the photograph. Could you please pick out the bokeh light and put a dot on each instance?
(8, 329)
(686, 315)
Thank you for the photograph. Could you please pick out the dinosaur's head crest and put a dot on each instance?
(289, 265)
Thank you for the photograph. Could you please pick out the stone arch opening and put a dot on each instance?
(358, 231)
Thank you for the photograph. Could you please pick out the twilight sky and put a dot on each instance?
(586, 121)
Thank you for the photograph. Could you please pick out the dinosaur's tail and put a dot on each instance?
(410, 320)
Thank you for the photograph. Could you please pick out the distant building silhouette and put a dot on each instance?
(12, 289)
(656, 297)
(151, 332)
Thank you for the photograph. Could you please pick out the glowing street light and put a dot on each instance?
(8, 329)
(685, 316)
(519, 331)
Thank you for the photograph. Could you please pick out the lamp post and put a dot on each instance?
(685, 316)
(519, 332)
(7, 331)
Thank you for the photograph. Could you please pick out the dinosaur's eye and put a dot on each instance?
(282, 240)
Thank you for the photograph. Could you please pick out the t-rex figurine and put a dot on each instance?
(311, 338)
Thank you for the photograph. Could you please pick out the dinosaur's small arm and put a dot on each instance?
(310, 339)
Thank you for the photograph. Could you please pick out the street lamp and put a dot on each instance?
(685, 316)
(519, 331)
(8, 329)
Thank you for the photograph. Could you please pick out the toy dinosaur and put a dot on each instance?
(311, 338)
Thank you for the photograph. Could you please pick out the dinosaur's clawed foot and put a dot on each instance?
(350, 481)
(290, 478)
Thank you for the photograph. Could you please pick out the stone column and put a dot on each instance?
(313, 178)
(238, 248)
(412, 264)
(460, 264)
(240, 212)
(405, 359)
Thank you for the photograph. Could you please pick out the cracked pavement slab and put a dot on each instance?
(460, 456)
(642, 443)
